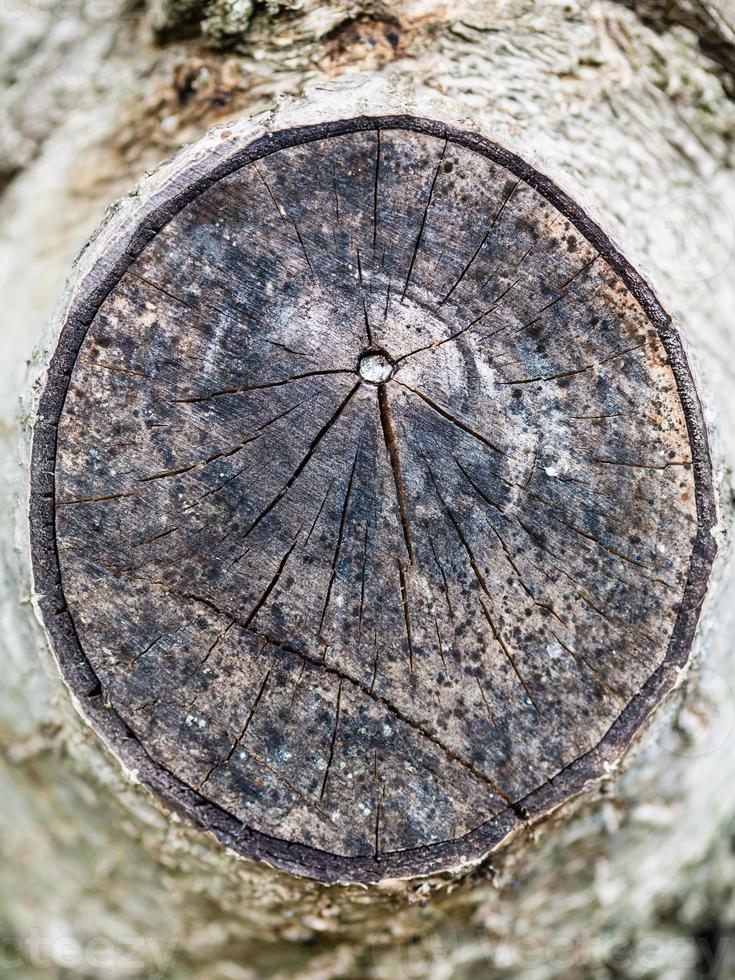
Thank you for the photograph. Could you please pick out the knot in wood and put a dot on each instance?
(375, 366)
(371, 496)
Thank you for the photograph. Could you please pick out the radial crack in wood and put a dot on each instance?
(381, 498)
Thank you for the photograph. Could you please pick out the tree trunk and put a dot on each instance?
(619, 125)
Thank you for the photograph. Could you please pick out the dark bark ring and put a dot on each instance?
(371, 499)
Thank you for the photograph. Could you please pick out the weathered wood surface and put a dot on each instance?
(376, 517)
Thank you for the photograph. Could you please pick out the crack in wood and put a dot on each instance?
(483, 584)
(340, 537)
(459, 423)
(313, 446)
(260, 386)
(422, 226)
(406, 603)
(333, 741)
(391, 445)
(235, 745)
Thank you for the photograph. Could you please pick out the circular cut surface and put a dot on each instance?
(375, 504)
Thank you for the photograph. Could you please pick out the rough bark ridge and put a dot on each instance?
(86, 855)
(380, 496)
(711, 22)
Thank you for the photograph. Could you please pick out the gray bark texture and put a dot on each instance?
(629, 112)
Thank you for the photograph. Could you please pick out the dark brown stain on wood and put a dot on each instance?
(371, 499)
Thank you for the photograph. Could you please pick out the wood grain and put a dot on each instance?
(379, 500)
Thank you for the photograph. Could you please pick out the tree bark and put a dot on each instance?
(634, 124)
